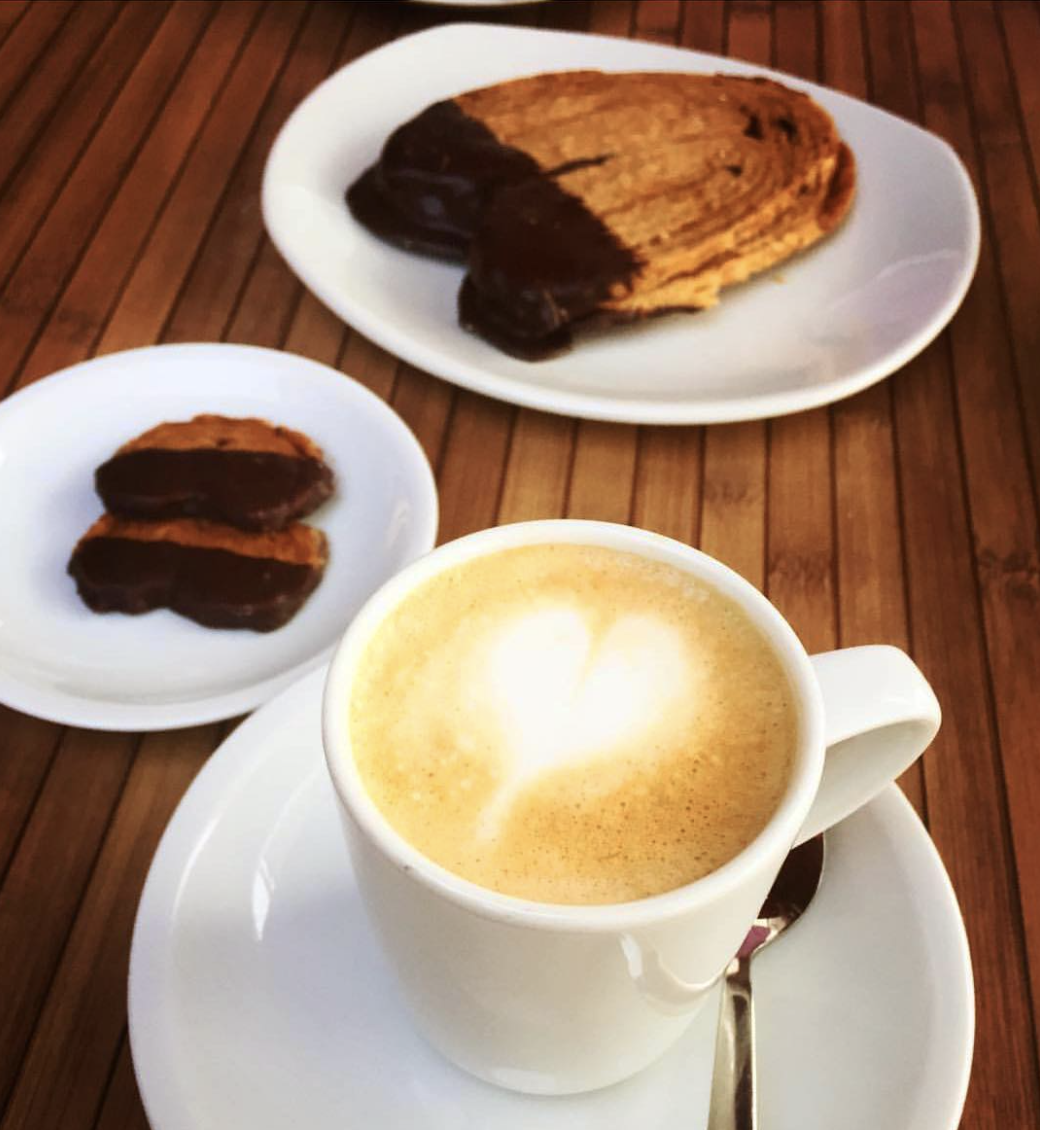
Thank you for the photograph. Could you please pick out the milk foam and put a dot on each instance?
(565, 693)
(572, 724)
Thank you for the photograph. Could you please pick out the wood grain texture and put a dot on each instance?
(871, 593)
(800, 555)
(26, 31)
(79, 317)
(135, 135)
(733, 510)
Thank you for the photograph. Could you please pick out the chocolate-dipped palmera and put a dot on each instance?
(585, 196)
(245, 471)
(213, 574)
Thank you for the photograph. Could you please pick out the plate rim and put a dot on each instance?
(65, 708)
(593, 406)
(210, 794)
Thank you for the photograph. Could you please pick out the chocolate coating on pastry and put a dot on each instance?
(244, 471)
(218, 577)
(432, 181)
(541, 262)
(253, 490)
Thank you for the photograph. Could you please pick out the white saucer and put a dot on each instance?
(821, 327)
(258, 997)
(63, 662)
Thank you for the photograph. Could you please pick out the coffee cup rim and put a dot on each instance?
(779, 832)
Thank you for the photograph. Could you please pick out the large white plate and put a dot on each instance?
(63, 662)
(258, 998)
(847, 313)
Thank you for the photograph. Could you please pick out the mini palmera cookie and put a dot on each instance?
(216, 575)
(248, 472)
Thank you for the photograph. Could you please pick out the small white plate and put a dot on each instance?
(258, 997)
(63, 662)
(821, 327)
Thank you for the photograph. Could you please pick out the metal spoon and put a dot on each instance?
(733, 1102)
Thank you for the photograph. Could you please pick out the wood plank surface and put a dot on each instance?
(135, 135)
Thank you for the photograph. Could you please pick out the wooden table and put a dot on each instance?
(133, 138)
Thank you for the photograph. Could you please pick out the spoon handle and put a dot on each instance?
(733, 1077)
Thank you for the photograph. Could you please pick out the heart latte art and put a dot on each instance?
(572, 724)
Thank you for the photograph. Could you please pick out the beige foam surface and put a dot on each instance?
(572, 724)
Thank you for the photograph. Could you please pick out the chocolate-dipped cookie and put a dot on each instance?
(248, 472)
(211, 573)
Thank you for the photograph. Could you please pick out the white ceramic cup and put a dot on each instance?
(553, 999)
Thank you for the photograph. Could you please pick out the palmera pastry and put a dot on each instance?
(581, 195)
(246, 471)
(210, 572)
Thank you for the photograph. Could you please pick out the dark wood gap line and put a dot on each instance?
(9, 270)
(44, 47)
(97, 221)
(391, 392)
(344, 341)
(263, 238)
(698, 502)
(175, 180)
(1031, 173)
(642, 430)
(218, 206)
(904, 572)
(120, 290)
(767, 444)
(292, 307)
(1007, 835)
(507, 452)
(767, 438)
(246, 151)
(897, 469)
(832, 470)
(110, 1075)
(254, 258)
(16, 843)
(722, 48)
(572, 454)
(1018, 925)
(637, 463)
(59, 28)
(258, 249)
(864, 36)
(989, 236)
(348, 330)
(572, 459)
(48, 986)
(437, 466)
(15, 22)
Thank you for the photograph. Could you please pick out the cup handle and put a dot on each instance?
(880, 714)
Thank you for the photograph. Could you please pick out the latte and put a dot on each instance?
(572, 724)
